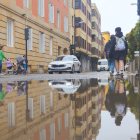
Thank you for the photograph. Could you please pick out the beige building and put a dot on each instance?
(32, 110)
(48, 30)
(97, 40)
(82, 32)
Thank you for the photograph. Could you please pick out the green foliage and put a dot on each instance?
(133, 39)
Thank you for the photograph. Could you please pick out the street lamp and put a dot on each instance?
(26, 31)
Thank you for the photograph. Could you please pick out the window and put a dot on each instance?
(66, 120)
(65, 24)
(73, 4)
(77, 4)
(59, 50)
(52, 131)
(11, 114)
(93, 12)
(65, 2)
(30, 108)
(42, 104)
(93, 37)
(41, 8)
(59, 125)
(10, 33)
(42, 134)
(26, 3)
(29, 41)
(42, 43)
(93, 25)
(51, 13)
(58, 19)
(72, 21)
(51, 45)
(51, 99)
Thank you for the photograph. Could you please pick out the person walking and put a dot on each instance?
(109, 52)
(120, 47)
(2, 56)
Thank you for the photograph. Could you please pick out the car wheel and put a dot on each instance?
(50, 72)
(80, 69)
(73, 69)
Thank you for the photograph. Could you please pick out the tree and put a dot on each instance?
(133, 39)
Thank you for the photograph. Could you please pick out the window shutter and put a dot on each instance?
(30, 108)
(42, 104)
(11, 114)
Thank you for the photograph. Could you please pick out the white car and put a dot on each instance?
(65, 63)
(103, 81)
(65, 86)
(102, 65)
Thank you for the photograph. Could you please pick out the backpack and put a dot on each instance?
(120, 44)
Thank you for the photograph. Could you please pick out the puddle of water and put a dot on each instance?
(70, 109)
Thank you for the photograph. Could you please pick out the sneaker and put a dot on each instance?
(117, 74)
(111, 73)
(121, 72)
(1, 74)
(120, 77)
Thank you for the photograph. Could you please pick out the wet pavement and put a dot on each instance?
(72, 109)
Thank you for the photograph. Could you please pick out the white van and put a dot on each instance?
(102, 65)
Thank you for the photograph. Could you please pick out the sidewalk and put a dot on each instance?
(28, 77)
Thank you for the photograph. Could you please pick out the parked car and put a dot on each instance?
(65, 63)
(65, 86)
(103, 81)
(102, 65)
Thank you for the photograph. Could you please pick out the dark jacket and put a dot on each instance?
(109, 49)
(113, 43)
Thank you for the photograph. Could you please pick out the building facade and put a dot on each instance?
(82, 32)
(96, 37)
(47, 21)
(34, 111)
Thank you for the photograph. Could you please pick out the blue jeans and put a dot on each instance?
(0, 66)
(111, 64)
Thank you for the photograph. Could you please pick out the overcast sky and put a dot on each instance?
(116, 13)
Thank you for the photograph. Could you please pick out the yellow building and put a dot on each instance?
(106, 37)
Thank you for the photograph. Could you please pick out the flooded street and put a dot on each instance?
(88, 109)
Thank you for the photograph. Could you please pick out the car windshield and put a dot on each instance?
(63, 58)
(102, 63)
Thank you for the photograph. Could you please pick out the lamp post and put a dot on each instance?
(26, 41)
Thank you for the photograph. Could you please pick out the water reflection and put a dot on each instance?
(65, 86)
(116, 100)
(68, 109)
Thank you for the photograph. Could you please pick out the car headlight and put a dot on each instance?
(49, 65)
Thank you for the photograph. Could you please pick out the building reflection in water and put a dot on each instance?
(33, 110)
(67, 109)
(134, 89)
